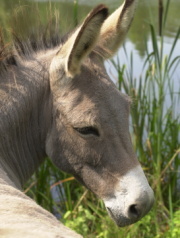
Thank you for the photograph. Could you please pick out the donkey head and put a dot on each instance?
(89, 136)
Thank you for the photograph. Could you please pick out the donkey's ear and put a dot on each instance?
(115, 28)
(82, 40)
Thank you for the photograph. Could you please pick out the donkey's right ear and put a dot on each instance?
(80, 43)
(115, 28)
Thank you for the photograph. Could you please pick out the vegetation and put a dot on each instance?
(155, 129)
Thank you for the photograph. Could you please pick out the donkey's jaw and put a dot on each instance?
(132, 199)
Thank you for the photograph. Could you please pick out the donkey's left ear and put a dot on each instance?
(82, 41)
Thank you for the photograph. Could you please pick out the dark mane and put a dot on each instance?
(42, 38)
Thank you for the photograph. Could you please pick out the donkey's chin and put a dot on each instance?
(121, 220)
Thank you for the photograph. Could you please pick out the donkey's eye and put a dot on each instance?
(89, 130)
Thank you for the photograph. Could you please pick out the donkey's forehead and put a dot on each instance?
(94, 80)
(93, 94)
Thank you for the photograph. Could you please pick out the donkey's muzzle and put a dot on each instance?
(131, 214)
(132, 199)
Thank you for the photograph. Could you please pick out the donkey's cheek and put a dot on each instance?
(91, 179)
(96, 180)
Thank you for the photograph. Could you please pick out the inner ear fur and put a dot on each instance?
(83, 40)
(115, 28)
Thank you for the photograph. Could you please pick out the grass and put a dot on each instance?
(155, 134)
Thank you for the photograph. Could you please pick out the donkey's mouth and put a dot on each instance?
(121, 220)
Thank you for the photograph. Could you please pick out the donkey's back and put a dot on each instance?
(20, 216)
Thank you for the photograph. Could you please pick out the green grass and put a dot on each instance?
(155, 130)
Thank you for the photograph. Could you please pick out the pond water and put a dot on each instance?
(139, 35)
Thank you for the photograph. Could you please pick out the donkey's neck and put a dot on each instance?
(24, 119)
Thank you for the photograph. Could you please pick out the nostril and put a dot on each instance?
(134, 211)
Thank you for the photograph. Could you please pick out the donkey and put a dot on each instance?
(59, 102)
